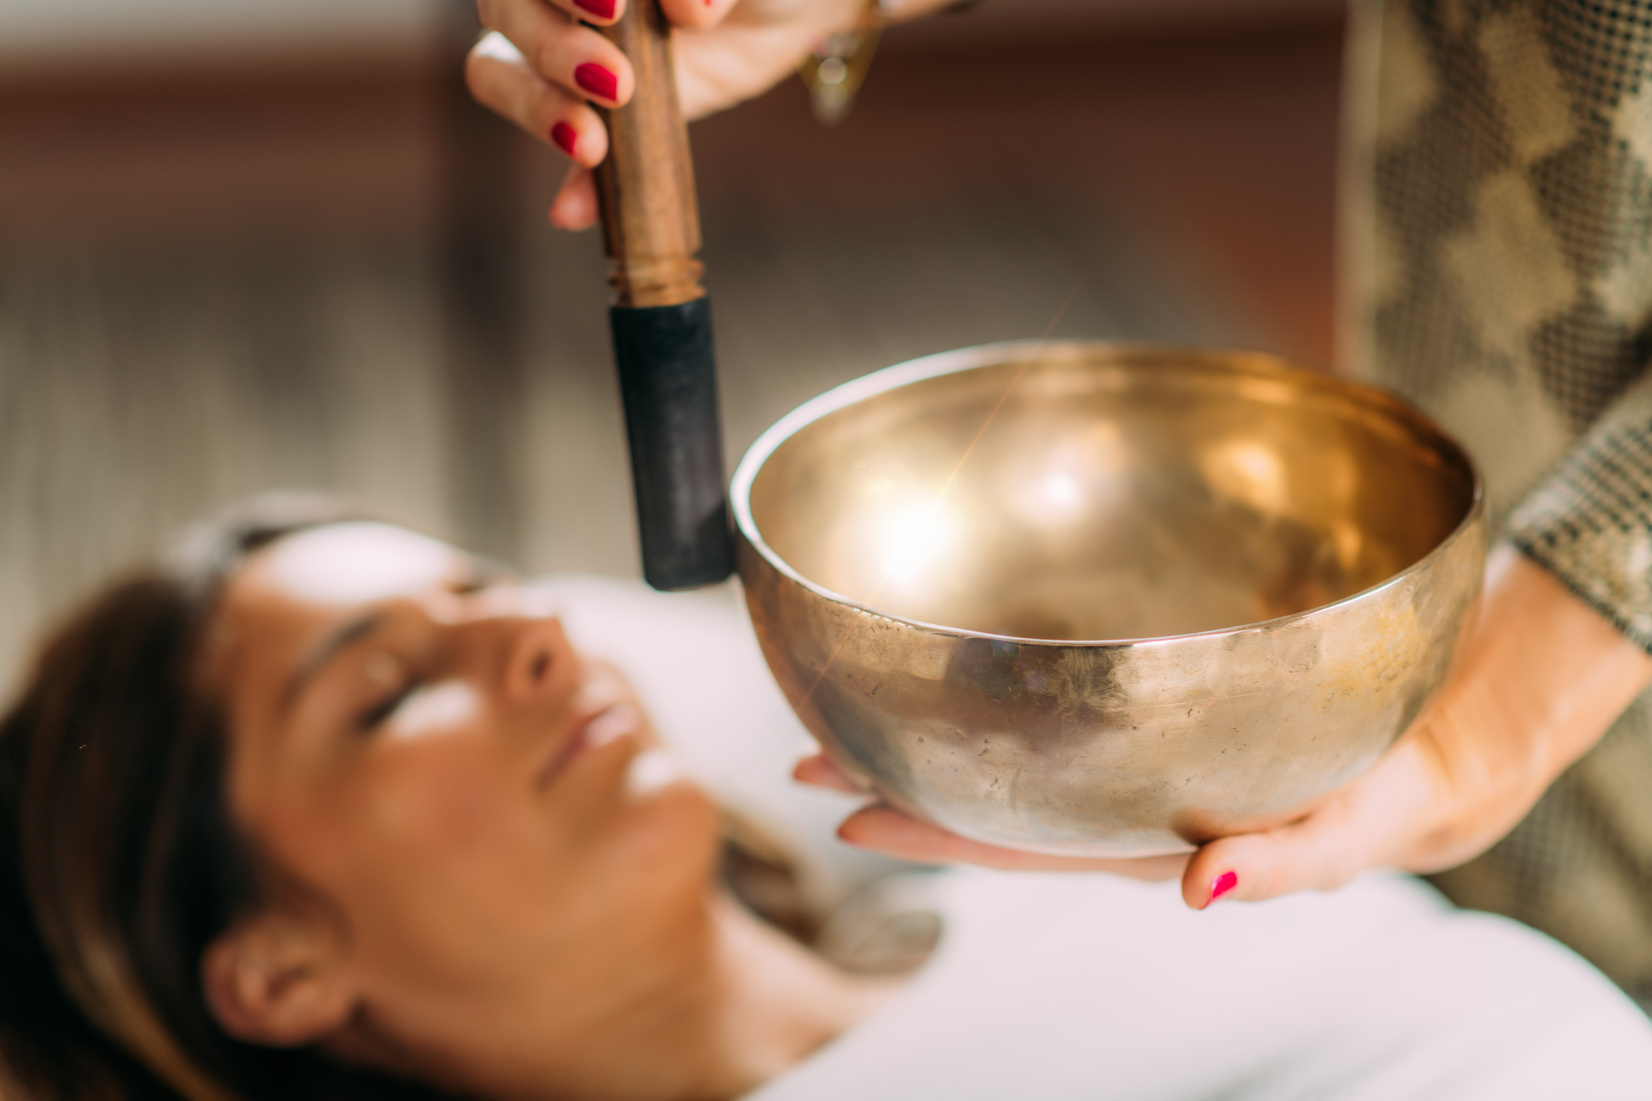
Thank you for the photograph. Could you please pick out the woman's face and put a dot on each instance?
(474, 803)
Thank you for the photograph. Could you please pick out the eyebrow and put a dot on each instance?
(325, 650)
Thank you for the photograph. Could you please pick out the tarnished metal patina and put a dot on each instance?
(1107, 600)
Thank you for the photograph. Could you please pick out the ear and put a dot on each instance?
(278, 978)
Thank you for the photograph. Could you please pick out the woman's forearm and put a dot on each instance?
(1541, 680)
(1555, 660)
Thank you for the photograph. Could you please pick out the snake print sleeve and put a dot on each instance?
(1498, 254)
(1590, 520)
(1497, 270)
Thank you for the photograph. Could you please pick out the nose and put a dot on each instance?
(538, 656)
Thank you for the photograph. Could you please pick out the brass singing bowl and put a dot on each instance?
(1107, 600)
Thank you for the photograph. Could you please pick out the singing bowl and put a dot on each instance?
(1107, 600)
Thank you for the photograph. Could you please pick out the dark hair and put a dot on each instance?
(119, 862)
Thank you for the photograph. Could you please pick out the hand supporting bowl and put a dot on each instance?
(1107, 600)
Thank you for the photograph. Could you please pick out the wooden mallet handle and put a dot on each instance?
(645, 187)
(661, 319)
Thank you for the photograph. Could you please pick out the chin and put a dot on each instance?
(674, 825)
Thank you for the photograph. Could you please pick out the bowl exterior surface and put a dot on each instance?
(1108, 748)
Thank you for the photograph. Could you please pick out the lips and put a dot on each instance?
(594, 730)
(610, 723)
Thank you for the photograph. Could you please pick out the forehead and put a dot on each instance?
(344, 565)
(291, 592)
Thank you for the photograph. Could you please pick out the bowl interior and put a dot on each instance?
(1110, 494)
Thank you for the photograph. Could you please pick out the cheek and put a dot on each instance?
(438, 847)
(452, 865)
(435, 814)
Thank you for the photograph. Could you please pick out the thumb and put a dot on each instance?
(696, 15)
(1366, 824)
(575, 205)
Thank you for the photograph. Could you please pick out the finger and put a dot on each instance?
(696, 15)
(1370, 823)
(576, 59)
(746, 57)
(819, 771)
(890, 832)
(495, 13)
(575, 205)
(502, 81)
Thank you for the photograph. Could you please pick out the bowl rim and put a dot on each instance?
(1260, 364)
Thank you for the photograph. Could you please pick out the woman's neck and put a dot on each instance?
(781, 1001)
(708, 1012)
(755, 1004)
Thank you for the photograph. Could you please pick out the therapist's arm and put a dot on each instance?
(1542, 678)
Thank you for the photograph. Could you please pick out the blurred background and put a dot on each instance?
(249, 245)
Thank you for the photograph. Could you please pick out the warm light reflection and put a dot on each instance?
(1249, 472)
(914, 540)
(1350, 541)
(1062, 493)
(1078, 473)
(1052, 497)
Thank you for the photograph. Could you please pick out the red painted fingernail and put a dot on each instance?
(565, 136)
(596, 80)
(602, 9)
(1222, 884)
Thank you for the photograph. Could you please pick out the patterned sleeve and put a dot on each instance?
(1497, 271)
(1590, 521)
(1497, 245)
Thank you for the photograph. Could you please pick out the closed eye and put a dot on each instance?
(376, 715)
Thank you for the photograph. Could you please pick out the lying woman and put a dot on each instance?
(325, 808)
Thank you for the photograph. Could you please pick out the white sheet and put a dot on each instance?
(1050, 987)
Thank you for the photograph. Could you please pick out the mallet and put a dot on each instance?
(661, 319)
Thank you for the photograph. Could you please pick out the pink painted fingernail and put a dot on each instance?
(602, 9)
(596, 80)
(1222, 884)
(565, 136)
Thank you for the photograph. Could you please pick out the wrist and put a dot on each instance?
(1547, 672)
(1541, 678)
